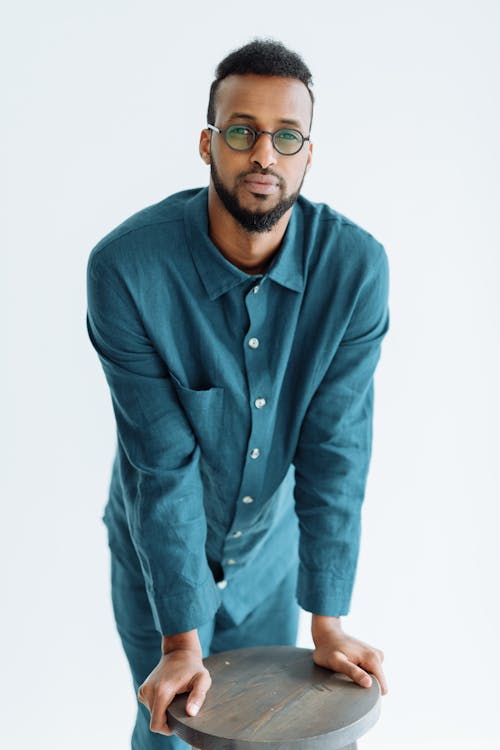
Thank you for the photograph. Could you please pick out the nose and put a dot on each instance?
(263, 152)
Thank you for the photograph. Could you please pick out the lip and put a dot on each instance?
(260, 183)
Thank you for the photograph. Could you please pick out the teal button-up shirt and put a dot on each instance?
(243, 406)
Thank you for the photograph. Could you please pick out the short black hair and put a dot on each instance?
(262, 57)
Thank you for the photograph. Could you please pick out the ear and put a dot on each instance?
(309, 156)
(205, 139)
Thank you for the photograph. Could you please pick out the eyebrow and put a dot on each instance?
(246, 116)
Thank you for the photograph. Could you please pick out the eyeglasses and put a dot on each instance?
(286, 141)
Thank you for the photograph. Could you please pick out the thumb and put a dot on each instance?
(201, 684)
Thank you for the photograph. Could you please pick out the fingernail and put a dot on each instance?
(366, 681)
(194, 708)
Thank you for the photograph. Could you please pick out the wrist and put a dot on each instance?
(322, 624)
(187, 641)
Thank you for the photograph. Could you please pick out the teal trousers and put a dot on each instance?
(274, 622)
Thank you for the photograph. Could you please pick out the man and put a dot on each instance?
(239, 328)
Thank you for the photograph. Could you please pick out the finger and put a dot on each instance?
(158, 722)
(341, 663)
(372, 663)
(377, 670)
(201, 684)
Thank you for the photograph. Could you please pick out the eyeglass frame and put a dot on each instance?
(257, 133)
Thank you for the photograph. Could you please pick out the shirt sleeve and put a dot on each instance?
(333, 455)
(159, 459)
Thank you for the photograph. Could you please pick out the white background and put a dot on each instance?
(103, 103)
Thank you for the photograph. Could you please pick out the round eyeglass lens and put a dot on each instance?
(287, 141)
(239, 137)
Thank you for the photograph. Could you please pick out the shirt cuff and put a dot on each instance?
(185, 611)
(323, 594)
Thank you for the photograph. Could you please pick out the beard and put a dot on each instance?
(252, 221)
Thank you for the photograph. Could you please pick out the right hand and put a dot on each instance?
(178, 671)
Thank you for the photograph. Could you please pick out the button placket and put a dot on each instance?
(254, 364)
(255, 360)
(234, 552)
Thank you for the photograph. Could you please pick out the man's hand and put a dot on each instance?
(342, 653)
(179, 670)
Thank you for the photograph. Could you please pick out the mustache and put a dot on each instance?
(262, 171)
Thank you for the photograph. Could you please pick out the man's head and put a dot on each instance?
(263, 58)
(261, 87)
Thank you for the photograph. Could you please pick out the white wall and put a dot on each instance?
(103, 106)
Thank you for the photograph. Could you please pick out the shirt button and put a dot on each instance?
(231, 562)
(253, 343)
(247, 500)
(254, 453)
(237, 534)
(260, 403)
(255, 289)
(222, 584)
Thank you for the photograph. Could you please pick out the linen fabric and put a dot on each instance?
(243, 406)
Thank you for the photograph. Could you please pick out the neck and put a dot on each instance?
(252, 252)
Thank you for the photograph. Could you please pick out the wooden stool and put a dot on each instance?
(275, 697)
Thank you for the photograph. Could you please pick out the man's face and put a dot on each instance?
(258, 186)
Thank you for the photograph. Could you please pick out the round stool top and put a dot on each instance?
(270, 697)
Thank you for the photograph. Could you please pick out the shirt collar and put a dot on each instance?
(218, 275)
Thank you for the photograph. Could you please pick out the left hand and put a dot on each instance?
(340, 652)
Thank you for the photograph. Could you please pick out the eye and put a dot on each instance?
(240, 137)
(288, 141)
(288, 136)
(239, 130)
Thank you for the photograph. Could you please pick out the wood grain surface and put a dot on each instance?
(272, 698)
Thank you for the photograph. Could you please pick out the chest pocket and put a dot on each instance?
(204, 411)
